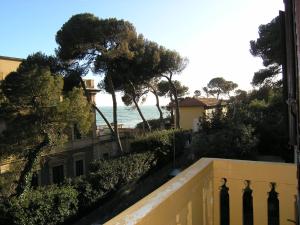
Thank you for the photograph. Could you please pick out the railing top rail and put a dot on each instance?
(255, 171)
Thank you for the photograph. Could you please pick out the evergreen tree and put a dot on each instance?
(37, 114)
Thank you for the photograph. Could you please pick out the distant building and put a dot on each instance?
(193, 108)
(7, 65)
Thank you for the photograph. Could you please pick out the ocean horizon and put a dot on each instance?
(128, 116)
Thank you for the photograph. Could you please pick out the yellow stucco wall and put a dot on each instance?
(7, 66)
(188, 115)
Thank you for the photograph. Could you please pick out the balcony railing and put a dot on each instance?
(217, 191)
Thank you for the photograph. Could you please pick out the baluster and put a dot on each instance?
(273, 206)
(247, 205)
(224, 204)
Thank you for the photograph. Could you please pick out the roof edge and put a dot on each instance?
(11, 58)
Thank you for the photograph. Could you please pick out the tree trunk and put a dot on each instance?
(174, 92)
(133, 97)
(141, 114)
(24, 181)
(94, 106)
(161, 118)
(115, 118)
(104, 118)
(171, 109)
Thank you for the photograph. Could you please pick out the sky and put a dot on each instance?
(213, 34)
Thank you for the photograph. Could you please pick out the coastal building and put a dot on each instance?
(191, 109)
(71, 160)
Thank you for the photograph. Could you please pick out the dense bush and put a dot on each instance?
(111, 174)
(52, 204)
(87, 195)
(225, 136)
(233, 141)
(44, 206)
(161, 143)
(108, 175)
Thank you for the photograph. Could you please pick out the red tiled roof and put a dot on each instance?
(204, 102)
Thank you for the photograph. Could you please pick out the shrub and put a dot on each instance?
(109, 175)
(47, 205)
(86, 194)
(161, 143)
(229, 141)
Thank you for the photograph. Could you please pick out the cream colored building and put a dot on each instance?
(193, 108)
(7, 65)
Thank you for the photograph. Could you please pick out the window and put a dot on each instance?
(35, 179)
(79, 168)
(105, 155)
(77, 134)
(58, 174)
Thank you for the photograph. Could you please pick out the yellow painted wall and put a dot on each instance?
(7, 66)
(192, 197)
(188, 114)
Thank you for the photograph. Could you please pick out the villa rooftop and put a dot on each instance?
(10, 58)
(204, 102)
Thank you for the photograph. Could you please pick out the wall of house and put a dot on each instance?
(95, 151)
(189, 116)
(7, 66)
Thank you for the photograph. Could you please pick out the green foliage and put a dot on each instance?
(85, 41)
(265, 76)
(171, 62)
(234, 141)
(165, 90)
(52, 204)
(268, 47)
(264, 110)
(108, 175)
(219, 86)
(44, 206)
(36, 107)
(37, 112)
(161, 143)
(268, 116)
(224, 137)
(111, 174)
(87, 195)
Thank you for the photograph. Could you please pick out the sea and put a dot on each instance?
(128, 116)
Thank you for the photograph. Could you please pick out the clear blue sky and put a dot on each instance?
(213, 34)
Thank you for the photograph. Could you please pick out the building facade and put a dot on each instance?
(191, 109)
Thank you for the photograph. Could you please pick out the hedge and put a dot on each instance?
(47, 205)
(161, 143)
(54, 204)
(106, 176)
